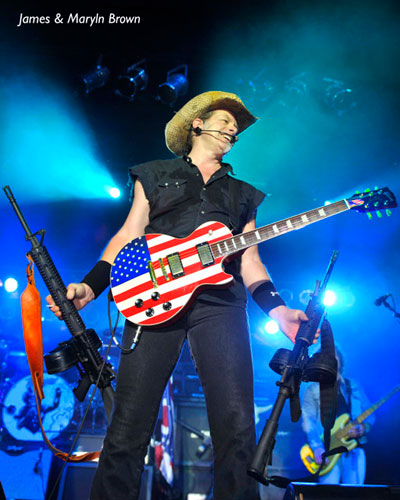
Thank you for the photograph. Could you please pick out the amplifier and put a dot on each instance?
(77, 479)
(314, 491)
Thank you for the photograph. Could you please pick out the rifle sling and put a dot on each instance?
(32, 328)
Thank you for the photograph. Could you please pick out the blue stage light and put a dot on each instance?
(329, 298)
(271, 327)
(96, 78)
(10, 285)
(46, 131)
(132, 81)
(175, 86)
(114, 192)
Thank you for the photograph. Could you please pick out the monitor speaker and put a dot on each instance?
(314, 491)
(77, 479)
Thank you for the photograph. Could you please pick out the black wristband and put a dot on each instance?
(267, 297)
(99, 277)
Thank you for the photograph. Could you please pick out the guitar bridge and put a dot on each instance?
(163, 270)
(152, 273)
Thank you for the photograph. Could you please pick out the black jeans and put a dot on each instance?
(219, 341)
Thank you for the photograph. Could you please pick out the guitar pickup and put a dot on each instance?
(205, 254)
(175, 265)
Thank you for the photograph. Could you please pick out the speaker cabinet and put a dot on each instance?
(77, 479)
(192, 463)
(314, 491)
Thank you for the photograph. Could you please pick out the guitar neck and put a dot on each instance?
(375, 406)
(250, 238)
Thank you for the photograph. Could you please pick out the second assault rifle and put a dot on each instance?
(82, 349)
(294, 366)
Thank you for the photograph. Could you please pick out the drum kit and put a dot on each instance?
(61, 413)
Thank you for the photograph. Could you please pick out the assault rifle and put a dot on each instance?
(82, 349)
(294, 366)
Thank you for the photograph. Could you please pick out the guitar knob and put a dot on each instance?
(150, 312)
(138, 302)
(155, 295)
(167, 306)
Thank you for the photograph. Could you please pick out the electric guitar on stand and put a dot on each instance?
(155, 276)
(339, 437)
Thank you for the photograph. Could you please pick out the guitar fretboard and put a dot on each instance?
(250, 238)
(375, 406)
(342, 433)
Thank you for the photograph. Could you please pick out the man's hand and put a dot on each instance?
(356, 431)
(318, 455)
(80, 293)
(289, 320)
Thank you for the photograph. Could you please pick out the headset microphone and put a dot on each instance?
(232, 138)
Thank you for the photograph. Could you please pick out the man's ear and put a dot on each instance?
(197, 122)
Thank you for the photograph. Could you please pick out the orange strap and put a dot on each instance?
(32, 326)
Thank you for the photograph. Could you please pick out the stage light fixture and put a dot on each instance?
(10, 285)
(295, 90)
(96, 79)
(257, 90)
(176, 85)
(132, 81)
(271, 327)
(338, 96)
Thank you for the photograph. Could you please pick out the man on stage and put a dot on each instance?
(174, 197)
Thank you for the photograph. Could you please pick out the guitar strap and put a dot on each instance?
(328, 390)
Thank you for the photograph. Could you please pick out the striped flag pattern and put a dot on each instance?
(164, 449)
(131, 279)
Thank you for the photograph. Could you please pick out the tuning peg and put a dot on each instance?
(369, 215)
(378, 213)
(388, 212)
(367, 190)
(357, 192)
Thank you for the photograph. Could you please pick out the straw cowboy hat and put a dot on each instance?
(179, 128)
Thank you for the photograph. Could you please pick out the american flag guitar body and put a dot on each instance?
(155, 276)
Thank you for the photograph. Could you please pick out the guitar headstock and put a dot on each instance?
(373, 201)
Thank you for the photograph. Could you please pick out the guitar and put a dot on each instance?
(339, 437)
(155, 276)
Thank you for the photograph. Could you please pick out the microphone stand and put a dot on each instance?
(206, 439)
(289, 384)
